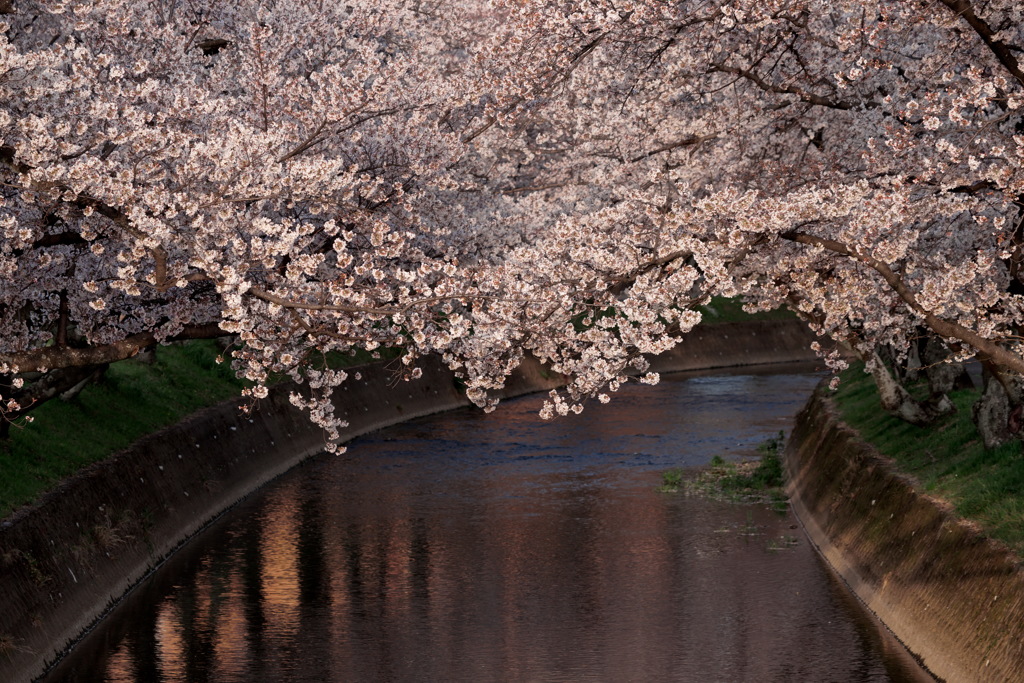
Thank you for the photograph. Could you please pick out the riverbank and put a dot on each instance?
(66, 559)
(954, 597)
(947, 459)
(134, 398)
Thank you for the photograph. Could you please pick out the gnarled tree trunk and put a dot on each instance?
(897, 401)
(943, 376)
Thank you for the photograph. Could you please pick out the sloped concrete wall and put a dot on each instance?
(953, 597)
(66, 559)
(737, 344)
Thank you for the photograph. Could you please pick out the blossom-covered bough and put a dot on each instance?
(480, 180)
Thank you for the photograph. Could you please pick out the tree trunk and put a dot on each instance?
(40, 388)
(943, 376)
(997, 414)
(897, 401)
(94, 376)
(5, 393)
(903, 370)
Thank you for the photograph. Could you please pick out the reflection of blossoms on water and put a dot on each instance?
(466, 547)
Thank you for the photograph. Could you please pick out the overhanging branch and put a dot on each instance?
(940, 326)
(51, 357)
(963, 9)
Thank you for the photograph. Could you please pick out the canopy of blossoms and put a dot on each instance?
(480, 180)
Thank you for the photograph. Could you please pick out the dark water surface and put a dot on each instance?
(465, 547)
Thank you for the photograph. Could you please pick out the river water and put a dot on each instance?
(465, 547)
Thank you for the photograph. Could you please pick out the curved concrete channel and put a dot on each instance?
(71, 557)
(954, 598)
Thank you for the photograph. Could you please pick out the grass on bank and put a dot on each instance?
(722, 310)
(132, 399)
(948, 459)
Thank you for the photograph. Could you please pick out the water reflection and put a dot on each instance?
(463, 548)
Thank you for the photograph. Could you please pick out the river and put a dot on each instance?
(471, 547)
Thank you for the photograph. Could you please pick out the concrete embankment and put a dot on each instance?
(65, 560)
(953, 597)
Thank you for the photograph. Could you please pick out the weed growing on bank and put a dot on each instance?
(756, 481)
(671, 480)
(784, 542)
(947, 459)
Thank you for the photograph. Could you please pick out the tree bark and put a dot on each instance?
(943, 376)
(998, 414)
(991, 413)
(93, 376)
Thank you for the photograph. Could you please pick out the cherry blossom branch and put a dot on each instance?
(535, 188)
(284, 302)
(270, 298)
(577, 59)
(964, 9)
(804, 95)
(8, 158)
(50, 385)
(943, 328)
(619, 284)
(689, 141)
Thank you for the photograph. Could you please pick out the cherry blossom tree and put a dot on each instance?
(855, 161)
(480, 180)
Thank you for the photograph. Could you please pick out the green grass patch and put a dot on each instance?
(131, 400)
(754, 481)
(948, 458)
(765, 474)
(671, 480)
